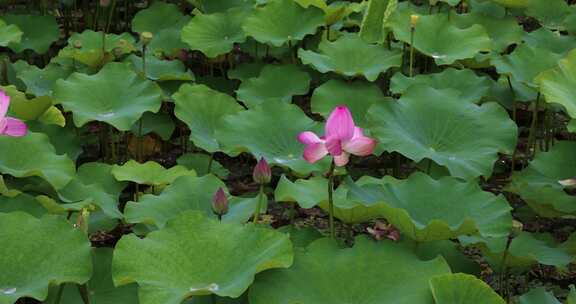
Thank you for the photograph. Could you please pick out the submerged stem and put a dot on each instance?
(331, 200)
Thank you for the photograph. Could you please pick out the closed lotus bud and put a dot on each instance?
(78, 44)
(146, 37)
(262, 173)
(517, 228)
(104, 3)
(220, 203)
(414, 20)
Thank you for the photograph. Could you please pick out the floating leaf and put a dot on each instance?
(198, 256)
(115, 95)
(39, 252)
(351, 56)
(558, 84)
(324, 273)
(462, 288)
(436, 124)
(38, 32)
(201, 163)
(9, 34)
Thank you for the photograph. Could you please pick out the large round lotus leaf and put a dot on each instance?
(187, 193)
(451, 251)
(351, 56)
(198, 256)
(512, 3)
(283, 21)
(201, 163)
(357, 95)
(502, 31)
(438, 37)
(161, 70)
(559, 84)
(203, 109)
(539, 186)
(436, 124)
(33, 155)
(324, 273)
(165, 22)
(270, 131)
(462, 288)
(550, 13)
(86, 47)
(39, 252)
(115, 95)
(215, 34)
(471, 86)
(38, 32)
(40, 82)
(65, 140)
(246, 71)
(149, 173)
(538, 296)
(9, 34)
(21, 202)
(159, 123)
(425, 209)
(276, 83)
(24, 108)
(549, 40)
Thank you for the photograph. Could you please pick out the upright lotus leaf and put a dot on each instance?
(451, 251)
(512, 3)
(436, 124)
(425, 209)
(23, 108)
(269, 131)
(22, 202)
(372, 27)
(86, 47)
(245, 71)
(9, 34)
(159, 123)
(462, 288)
(324, 273)
(215, 34)
(33, 155)
(357, 95)
(203, 110)
(203, 164)
(550, 13)
(538, 296)
(38, 32)
(149, 173)
(282, 21)
(438, 37)
(115, 95)
(471, 86)
(210, 7)
(40, 82)
(351, 56)
(276, 83)
(553, 41)
(539, 186)
(161, 70)
(558, 84)
(198, 256)
(65, 140)
(39, 252)
(503, 31)
(165, 21)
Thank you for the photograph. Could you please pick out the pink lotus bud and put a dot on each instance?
(104, 3)
(262, 173)
(220, 202)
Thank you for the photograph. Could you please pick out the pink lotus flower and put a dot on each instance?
(342, 138)
(8, 125)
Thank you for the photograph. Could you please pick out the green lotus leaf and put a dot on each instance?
(198, 256)
(449, 250)
(512, 3)
(210, 7)
(557, 84)
(203, 110)
(24, 108)
(503, 31)
(187, 193)
(65, 140)
(40, 82)
(336, 92)
(246, 71)
(22, 202)
(38, 32)
(9, 34)
(550, 13)
(270, 131)
(425, 209)
(115, 95)
(351, 56)
(33, 155)
(283, 21)
(438, 37)
(39, 252)
(324, 273)
(372, 28)
(539, 186)
(215, 34)
(86, 47)
(471, 86)
(436, 124)
(161, 70)
(165, 21)
(462, 288)
(538, 296)
(201, 163)
(553, 41)
(275, 83)
(149, 173)
(160, 124)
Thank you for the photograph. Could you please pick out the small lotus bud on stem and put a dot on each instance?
(517, 228)
(146, 37)
(82, 220)
(220, 203)
(78, 44)
(262, 173)
(414, 20)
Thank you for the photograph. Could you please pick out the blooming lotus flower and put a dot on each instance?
(8, 125)
(342, 138)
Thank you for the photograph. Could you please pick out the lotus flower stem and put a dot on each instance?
(411, 52)
(513, 160)
(110, 14)
(261, 197)
(502, 282)
(84, 293)
(532, 136)
(331, 200)
(210, 161)
(59, 293)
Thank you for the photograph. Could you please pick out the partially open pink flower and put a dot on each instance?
(8, 125)
(342, 139)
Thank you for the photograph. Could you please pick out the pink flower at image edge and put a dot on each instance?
(10, 126)
(342, 138)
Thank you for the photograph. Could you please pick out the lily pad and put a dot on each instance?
(462, 288)
(33, 155)
(203, 110)
(115, 95)
(39, 252)
(149, 173)
(351, 56)
(283, 21)
(353, 275)
(38, 32)
(198, 256)
(201, 162)
(9, 33)
(436, 124)
(276, 83)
